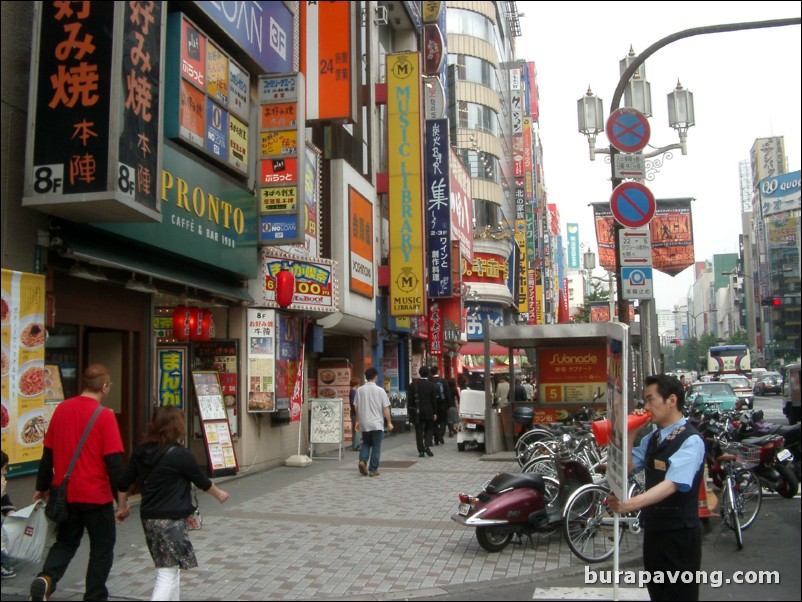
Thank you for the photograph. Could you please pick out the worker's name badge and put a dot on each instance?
(659, 465)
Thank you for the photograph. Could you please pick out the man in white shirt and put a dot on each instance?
(372, 413)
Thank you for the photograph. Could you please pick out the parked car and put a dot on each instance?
(740, 384)
(768, 383)
(718, 393)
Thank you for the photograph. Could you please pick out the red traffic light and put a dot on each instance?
(677, 342)
(776, 302)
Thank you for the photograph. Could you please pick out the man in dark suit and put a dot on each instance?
(421, 404)
(441, 409)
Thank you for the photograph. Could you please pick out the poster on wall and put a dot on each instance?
(261, 360)
(171, 376)
(24, 378)
(570, 376)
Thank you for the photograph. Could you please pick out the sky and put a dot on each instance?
(746, 85)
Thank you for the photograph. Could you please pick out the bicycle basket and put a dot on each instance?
(747, 455)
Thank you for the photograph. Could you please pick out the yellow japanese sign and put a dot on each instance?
(278, 198)
(284, 142)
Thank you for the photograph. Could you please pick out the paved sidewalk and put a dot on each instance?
(326, 532)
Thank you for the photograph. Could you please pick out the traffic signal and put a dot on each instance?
(772, 302)
(677, 342)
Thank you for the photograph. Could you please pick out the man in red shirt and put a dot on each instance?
(92, 486)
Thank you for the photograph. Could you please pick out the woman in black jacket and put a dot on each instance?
(165, 472)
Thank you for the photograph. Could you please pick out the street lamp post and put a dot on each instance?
(590, 110)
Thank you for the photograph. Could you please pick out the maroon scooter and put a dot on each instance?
(518, 504)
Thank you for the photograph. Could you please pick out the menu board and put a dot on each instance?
(222, 356)
(216, 432)
(326, 421)
(333, 381)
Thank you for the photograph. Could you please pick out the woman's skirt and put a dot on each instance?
(168, 542)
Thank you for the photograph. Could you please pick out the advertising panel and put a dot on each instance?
(360, 236)
(315, 282)
(438, 218)
(780, 194)
(461, 206)
(171, 376)
(261, 335)
(25, 377)
(407, 275)
(95, 112)
(672, 236)
(263, 29)
(572, 374)
(327, 56)
(572, 234)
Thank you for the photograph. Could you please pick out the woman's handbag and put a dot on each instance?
(194, 520)
(56, 508)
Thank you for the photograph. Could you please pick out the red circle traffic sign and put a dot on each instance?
(632, 204)
(628, 130)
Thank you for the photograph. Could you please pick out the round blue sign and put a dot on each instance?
(632, 204)
(628, 130)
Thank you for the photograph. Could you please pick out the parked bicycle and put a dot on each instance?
(742, 494)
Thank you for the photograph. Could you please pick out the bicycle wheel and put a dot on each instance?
(588, 524)
(523, 447)
(729, 512)
(542, 465)
(748, 496)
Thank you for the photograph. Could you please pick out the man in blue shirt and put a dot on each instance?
(672, 457)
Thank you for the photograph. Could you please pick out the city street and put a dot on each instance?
(326, 533)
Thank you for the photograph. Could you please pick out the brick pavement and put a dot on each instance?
(326, 532)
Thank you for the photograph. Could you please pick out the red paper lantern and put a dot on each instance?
(285, 287)
(181, 323)
(203, 328)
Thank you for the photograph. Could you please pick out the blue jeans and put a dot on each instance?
(356, 436)
(371, 449)
(98, 521)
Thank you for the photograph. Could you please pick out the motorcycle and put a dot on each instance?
(520, 504)
(787, 460)
(768, 460)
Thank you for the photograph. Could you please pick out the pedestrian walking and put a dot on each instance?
(441, 409)
(421, 403)
(165, 471)
(356, 436)
(372, 408)
(453, 407)
(89, 493)
(6, 566)
(673, 459)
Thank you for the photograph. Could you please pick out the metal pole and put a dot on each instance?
(623, 304)
(612, 296)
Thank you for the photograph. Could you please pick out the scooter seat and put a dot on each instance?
(760, 441)
(502, 482)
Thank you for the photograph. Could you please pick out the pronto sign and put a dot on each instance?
(406, 190)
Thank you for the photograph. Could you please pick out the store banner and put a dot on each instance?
(438, 215)
(297, 398)
(25, 376)
(672, 236)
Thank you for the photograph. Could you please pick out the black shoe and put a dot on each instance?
(421, 454)
(436, 443)
(429, 452)
(442, 442)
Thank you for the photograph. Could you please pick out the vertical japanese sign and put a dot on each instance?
(282, 158)
(261, 360)
(438, 214)
(297, 397)
(617, 409)
(572, 233)
(461, 206)
(360, 236)
(407, 273)
(327, 55)
(288, 345)
(73, 98)
(171, 376)
(140, 160)
(435, 329)
(24, 379)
